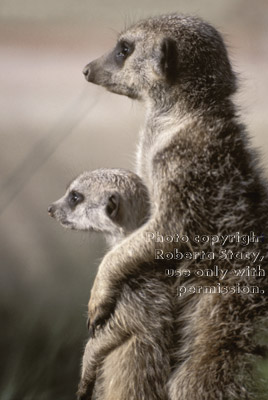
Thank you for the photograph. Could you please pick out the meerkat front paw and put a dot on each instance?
(101, 305)
(85, 390)
(98, 315)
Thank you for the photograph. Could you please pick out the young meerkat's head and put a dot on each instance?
(166, 58)
(112, 201)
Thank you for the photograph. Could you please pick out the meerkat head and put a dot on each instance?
(161, 56)
(112, 201)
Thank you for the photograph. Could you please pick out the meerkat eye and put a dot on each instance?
(123, 50)
(75, 198)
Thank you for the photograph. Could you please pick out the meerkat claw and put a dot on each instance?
(91, 330)
(100, 318)
(85, 393)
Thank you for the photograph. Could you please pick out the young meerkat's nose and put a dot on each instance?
(51, 210)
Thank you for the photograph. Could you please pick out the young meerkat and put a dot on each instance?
(203, 180)
(129, 357)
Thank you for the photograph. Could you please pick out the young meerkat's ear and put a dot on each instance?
(112, 205)
(168, 60)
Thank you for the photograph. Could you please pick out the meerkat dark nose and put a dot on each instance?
(86, 70)
(51, 210)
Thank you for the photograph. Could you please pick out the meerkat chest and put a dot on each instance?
(153, 142)
(144, 158)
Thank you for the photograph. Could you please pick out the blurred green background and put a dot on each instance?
(54, 125)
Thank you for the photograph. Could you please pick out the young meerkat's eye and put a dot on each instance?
(75, 198)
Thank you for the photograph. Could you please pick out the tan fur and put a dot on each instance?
(129, 357)
(202, 179)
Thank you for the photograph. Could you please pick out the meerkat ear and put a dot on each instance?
(112, 206)
(169, 60)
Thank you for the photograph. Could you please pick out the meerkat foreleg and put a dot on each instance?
(97, 349)
(122, 261)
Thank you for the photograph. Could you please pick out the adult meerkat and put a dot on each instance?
(129, 357)
(202, 180)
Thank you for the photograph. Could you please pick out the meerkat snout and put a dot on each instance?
(86, 70)
(92, 73)
(51, 210)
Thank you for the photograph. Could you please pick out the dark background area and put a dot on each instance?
(54, 125)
